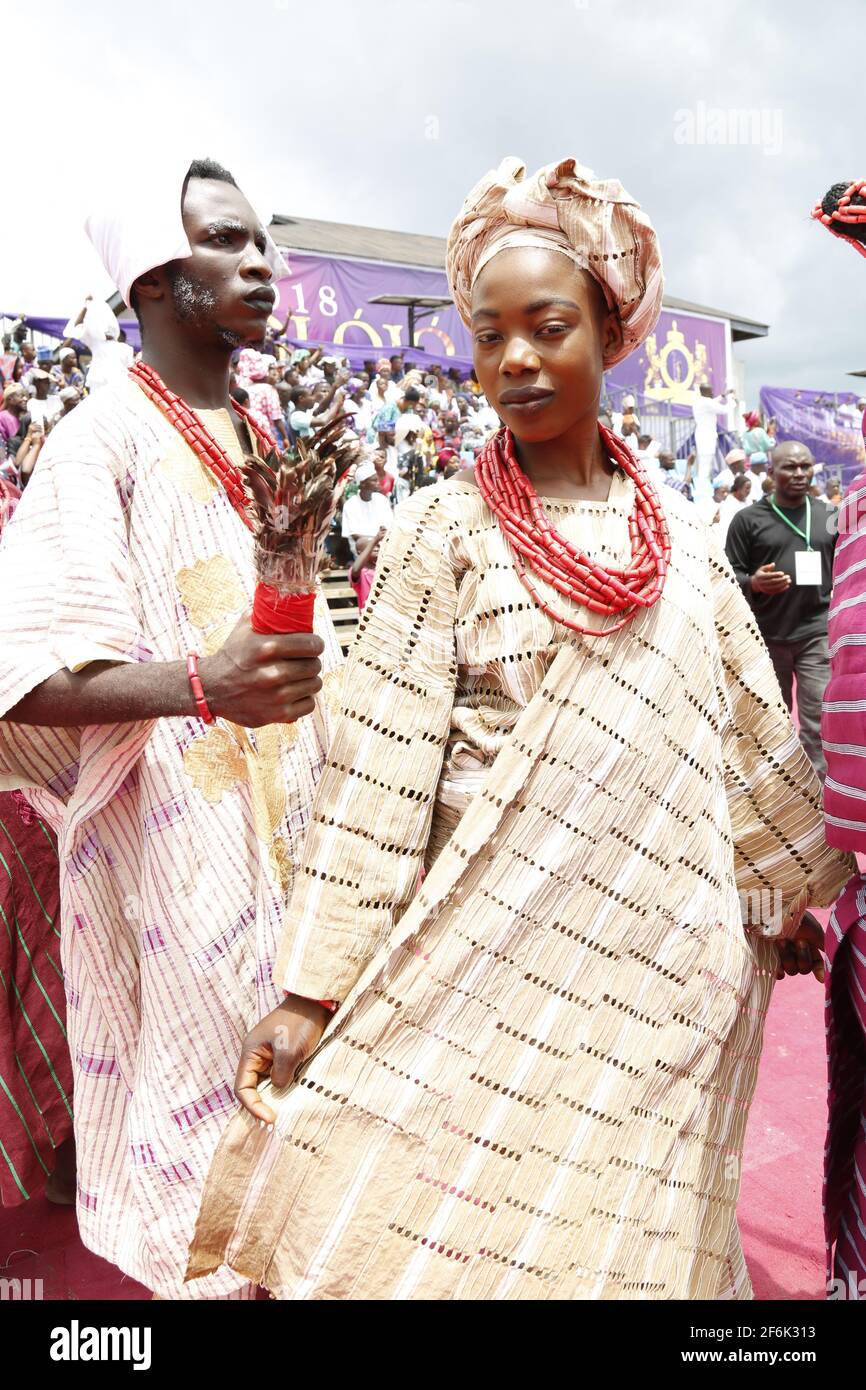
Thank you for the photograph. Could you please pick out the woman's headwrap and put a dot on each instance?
(386, 417)
(563, 207)
(752, 420)
(142, 228)
(252, 365)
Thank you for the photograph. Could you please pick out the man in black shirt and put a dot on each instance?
(781, 549)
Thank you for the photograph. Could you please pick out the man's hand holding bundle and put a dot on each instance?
(257, 679)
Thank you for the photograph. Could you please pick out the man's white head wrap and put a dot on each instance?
(142, 226)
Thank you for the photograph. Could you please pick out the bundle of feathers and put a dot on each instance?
(293, 498)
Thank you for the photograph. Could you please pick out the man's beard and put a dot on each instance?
(194, 303)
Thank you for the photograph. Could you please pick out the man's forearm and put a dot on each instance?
(108, 692)
(743, 576)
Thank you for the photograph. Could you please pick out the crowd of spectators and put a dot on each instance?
(421, 422)
(45, 383)
(419, 425)
(42, 387)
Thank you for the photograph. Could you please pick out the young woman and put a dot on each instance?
(540, 1056)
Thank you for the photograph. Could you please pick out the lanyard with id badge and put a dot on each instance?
(807, 563)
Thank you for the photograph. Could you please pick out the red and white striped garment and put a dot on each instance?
(843, 719)
(845, 1156)
(843, 728)
(177, 840)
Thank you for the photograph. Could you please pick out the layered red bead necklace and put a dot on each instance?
(539, 547)
(202, 443)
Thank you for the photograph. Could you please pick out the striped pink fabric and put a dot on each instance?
(843, 721)
(845, 1157)
(843, 727)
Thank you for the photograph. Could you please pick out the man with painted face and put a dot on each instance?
(781, 549)
(179, 819)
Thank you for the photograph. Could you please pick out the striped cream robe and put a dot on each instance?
(538, 1080)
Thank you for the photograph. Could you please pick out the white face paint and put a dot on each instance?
(194, 303)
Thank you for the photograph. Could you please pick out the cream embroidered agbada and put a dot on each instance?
(177, 840)
(538, 1080)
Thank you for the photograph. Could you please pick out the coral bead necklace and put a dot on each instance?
(203, 444)
(539, 548)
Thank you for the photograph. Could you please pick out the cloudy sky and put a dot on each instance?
(385, 113)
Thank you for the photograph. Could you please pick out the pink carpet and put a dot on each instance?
(780, 1198)
(40, 1241)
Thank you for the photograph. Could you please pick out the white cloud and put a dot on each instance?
(326, 110)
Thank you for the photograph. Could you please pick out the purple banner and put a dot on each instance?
(53, 328)
(683, 353)
(329, 304)
(329, 301)
(828, 423)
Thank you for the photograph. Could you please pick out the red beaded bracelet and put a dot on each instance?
(197, 691)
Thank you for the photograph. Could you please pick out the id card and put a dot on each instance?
(807, 567)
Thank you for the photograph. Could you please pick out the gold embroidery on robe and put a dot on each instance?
(267, 784)
(215, 764)
(181, 467)
(214, 640)
(332, 689)
(224, 758)
(227, 756)
(210, 589)
(281, 863)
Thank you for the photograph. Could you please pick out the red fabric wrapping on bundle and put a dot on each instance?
(276, 612)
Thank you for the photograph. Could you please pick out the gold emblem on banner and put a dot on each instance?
(660, 383)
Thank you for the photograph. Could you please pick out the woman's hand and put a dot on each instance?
(276, 1047)
(801, 954)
